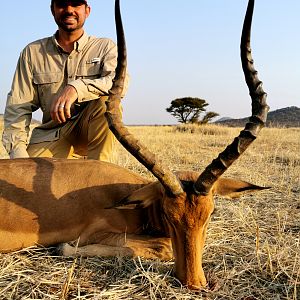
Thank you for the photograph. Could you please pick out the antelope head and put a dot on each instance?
(187, 197)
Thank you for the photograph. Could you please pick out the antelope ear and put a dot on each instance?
(231, 188)
(142, 197)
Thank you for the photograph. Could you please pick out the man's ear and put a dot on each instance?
(142, 197)
(87, 11)
(231, 188)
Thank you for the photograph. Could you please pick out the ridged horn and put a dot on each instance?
(258, 119)
(168, 179)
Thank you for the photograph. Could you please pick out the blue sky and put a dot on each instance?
(176, 49)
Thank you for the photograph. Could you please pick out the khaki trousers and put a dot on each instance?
(87, 136)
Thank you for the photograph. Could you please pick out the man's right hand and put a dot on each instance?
(61, 107)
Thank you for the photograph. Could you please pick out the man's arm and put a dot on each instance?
(90, 89)
(21, 102)
(87, 89)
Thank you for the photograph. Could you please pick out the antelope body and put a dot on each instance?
(49, 201)
(112, 211)
(44, 202)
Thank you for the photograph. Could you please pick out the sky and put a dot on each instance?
(177, 48)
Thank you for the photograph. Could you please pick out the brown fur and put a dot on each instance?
(108, 210)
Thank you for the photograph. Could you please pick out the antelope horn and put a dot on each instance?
(168, 179)
(259, 115)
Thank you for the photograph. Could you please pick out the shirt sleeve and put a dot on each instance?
(91, 89)
(21, 102)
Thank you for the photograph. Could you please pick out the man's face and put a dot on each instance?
(70, 15)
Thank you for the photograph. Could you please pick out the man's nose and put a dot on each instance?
(69, 8)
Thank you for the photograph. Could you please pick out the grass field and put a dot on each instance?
(253, 244)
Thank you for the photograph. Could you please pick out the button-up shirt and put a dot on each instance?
(42, 72)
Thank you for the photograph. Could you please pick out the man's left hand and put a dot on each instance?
(61, 107)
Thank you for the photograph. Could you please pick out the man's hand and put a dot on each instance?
(61, 107)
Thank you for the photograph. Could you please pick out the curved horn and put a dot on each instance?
(168, 179)
(259, 115)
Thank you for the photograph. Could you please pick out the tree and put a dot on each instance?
(208, 117)
(188, 110)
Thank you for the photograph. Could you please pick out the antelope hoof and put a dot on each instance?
(64, 249)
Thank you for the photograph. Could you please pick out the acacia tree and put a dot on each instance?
(208, 116)
(188, 110)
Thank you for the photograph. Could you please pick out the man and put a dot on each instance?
(68, 76)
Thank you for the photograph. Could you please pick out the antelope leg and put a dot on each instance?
(144, 246)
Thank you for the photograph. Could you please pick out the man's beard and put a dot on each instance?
(68, 27)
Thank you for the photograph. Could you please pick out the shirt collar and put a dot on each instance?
(79, 44)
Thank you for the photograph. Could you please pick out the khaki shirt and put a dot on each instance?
(43, 70)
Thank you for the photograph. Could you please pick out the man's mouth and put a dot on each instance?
(69, 19)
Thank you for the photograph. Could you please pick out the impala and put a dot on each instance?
(110, 210)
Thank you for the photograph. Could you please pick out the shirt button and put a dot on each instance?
(70, 57)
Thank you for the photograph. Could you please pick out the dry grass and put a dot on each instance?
(253, 244)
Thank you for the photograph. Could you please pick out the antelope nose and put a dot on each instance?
(194, 287)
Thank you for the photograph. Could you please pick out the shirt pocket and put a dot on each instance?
(48, 85)
(88, 71)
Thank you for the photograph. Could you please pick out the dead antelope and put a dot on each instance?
(113, 211)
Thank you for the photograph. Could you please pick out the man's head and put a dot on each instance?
(70, 15)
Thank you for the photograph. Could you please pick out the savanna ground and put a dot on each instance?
(253, 244)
